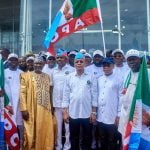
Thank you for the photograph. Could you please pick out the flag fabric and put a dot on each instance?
(74, 15)
(8, 128)
(2, 141)
(134, 137)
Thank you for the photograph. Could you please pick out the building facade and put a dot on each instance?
(24, 24)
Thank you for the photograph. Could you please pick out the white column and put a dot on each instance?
(50, 12)
(119, 24)
(148, 23)
(26, 26)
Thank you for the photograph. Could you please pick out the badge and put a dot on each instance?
(67, 72)
(88, 82)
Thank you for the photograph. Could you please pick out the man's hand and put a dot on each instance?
(66, 116)
(145, 118)
(117, 121)
(93, 118)
(2, 92)
(25, 115)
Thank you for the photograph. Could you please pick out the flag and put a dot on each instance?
(2, 141)
(140, 107)
(8, 127)
(74, 15)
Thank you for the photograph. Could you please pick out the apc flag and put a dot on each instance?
(137, 127)
(73, 16)
(8, 128)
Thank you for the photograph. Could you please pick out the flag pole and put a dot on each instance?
(101, 22)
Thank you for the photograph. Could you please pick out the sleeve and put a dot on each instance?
(51, 79)
(66, 94)
(94, 92)
(23, 93)
(120, 88)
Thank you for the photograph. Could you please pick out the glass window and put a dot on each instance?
(9, 24)
(134, 24)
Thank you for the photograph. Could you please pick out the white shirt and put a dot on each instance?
(58, 79)
(48, 71)
(80, 94)
(109, 92)
(12, 89)
(93, 70)
(122, 71)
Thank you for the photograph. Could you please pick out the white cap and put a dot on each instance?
(30, 58)
(83, 51)
(118, 51)
(87, 55)
(49, 55)
(98, 52)
(132, 52)
(12, 55)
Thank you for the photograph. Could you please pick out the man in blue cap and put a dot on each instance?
(109, 91)
(79, 103)
(58, 77)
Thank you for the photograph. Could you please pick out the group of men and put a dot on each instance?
(83, 93)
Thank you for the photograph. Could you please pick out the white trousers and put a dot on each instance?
(59, 118)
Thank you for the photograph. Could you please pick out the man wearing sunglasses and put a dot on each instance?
(79, 103)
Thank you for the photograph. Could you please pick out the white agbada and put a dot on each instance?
(109, 92)
(12, 88)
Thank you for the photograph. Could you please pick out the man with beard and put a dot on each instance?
(30, 63)
(134, 61)
(96, 67)
(36, 109)
(22, 64)
(71, 57)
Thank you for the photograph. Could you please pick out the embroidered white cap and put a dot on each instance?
(132, 52)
